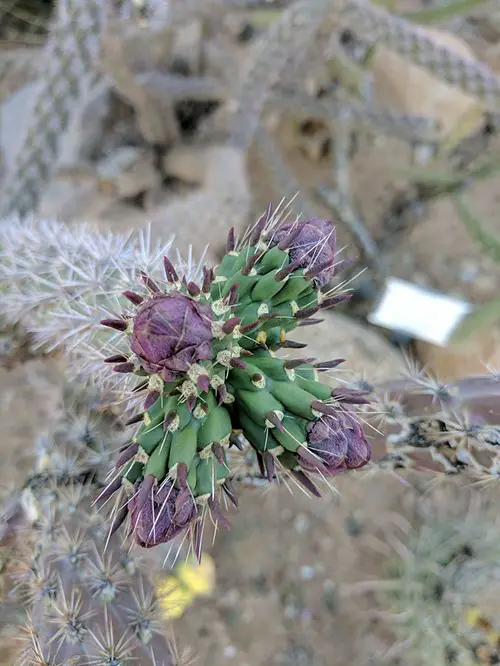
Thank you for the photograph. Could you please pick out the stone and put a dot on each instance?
(400, 85)
(223, 200)
(471, 357)
(367, 352)
(187, 163)
(127, 172)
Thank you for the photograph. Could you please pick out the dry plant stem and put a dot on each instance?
(156, 121)
(339, 198)
(297, 27)
(345, 212)
(342, 140)
(408, 128)
(65, 80)
(472, 77)
(447, 427)
(283, 180)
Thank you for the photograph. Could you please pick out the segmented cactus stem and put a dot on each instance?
(379, 25)
(293, 32)
(442, 585)
(65, 78)
(207, 355)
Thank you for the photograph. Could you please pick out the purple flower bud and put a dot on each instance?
(170, 333)
(160, 517)
(339, 443)
(311, 244)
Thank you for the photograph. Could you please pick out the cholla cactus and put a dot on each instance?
(443, 585)
(48, 268)
(206, 355)
(83, 442)
(87, 600)
(66, 79)
(457, 424)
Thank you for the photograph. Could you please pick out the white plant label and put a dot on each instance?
(425, 314)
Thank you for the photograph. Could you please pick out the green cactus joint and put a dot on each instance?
(209, 351)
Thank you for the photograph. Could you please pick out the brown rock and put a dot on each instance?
(471, 357)
(224, 200)
(188, 163)
(198, 219)
(127, 172)
(402, 85)
(366, 351)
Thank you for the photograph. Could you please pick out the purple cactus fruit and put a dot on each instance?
(170, 333)
(312, 246)
(161, 515)
(339, 443)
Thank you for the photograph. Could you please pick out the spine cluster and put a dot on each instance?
(455, 427)
(86, 600)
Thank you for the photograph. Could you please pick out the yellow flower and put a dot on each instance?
(189, 580)
(199, 578)
(173, 597)
(473, 616)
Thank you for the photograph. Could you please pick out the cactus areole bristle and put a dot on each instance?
(209, 353)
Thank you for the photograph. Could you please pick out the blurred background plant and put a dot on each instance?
(439, 589)
(132, 121)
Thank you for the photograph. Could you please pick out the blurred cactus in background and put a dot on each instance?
(48, 266)
(86, 598)
(452, 427)
(440, 592)
(66, 77)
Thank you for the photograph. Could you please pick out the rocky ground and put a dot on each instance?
(282, 570)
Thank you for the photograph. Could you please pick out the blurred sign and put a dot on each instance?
(422, 313)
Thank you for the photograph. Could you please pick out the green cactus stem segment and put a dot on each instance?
(210, 474)
(260, 437)
(273, 260)
(133, 472)
(295, 399)
(293, 436)
(216, 428)
(157, 464)
(259, 404)
(315, 388)
(183, 447)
